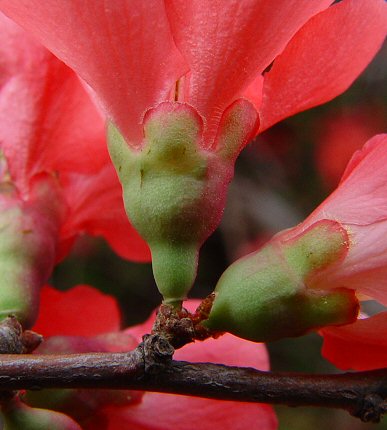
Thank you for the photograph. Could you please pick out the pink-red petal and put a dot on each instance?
(123, 49)
(358, 346)
(48, 121)
(360, 205)
(96, 207)
(253, 92)
(80, 311)
(226, 45)
(323, 58)
(361, 197)
(167, 411)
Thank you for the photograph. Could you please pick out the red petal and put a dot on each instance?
(168, 411)
(123, 49)
(48, 121)
(121, 236)
(80, 311)
(360, 205)
(96, 207)
(323, 58)
(228, 43)
(361, 197)
(253, 92)
(358, 346)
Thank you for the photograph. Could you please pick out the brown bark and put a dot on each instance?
(150, 367)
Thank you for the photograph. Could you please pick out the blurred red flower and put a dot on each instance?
(49, 127)
(340, 134)
(56, 177)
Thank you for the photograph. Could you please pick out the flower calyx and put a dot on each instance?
(29, 227)
(269, 294)
(175, 185)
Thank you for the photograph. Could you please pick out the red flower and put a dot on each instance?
(152, 411)
(81, 319)
(159, 63)
(48, 124)
(359, 204)
(166, 69)
(56, 174)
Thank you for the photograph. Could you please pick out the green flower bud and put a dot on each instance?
(269, 294)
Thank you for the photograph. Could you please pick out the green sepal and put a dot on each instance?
(16, 297)
(239, 125)
(164, 183)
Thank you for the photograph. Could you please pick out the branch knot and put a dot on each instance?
(157, 353)
(13, 340)
(371, 408)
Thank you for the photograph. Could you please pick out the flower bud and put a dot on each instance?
(174, 189)
(269, 294)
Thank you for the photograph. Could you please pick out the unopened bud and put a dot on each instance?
(268, 294)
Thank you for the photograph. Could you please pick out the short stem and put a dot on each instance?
(175, 304)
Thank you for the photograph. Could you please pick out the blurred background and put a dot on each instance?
(280, 178)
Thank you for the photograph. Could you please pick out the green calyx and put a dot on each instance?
(15, 295)
(28, 238)
(174, 190)
(269, 294)
(164, 193)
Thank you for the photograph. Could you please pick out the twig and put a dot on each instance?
(15, 340)
(150, 367)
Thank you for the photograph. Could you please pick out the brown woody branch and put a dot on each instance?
(150, 367)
